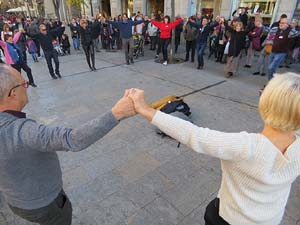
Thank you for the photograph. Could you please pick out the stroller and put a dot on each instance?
(138, 41)
(58, 48)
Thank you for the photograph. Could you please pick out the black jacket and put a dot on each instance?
(204, 32)
(46, 40)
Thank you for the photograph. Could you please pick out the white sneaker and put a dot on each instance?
(165, 63)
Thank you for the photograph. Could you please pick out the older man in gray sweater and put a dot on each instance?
(30, 173)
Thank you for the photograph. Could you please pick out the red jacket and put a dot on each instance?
(165, 29)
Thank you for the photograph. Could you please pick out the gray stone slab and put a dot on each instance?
(136, 168)
(111, 211)
(193, 192)
(163, 212)
(179, 169)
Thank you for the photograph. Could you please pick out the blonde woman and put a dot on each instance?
(237, 44)
(258, 169)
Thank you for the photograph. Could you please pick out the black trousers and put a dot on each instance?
(153, 41)
(177, 42)
(165, 44)
(89, 51)
(38, 46)
(212, 216)
(49, 55)
(26, 68)
(159, 46)
(190, 45)
(58, 212)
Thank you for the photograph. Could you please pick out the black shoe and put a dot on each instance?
(200, 67)
(287, 66)
(94, 68)
(127, 62)
(53, 77)
(131, 61)
(247, 66)
(58, 75)
(263, 74)
(33, 84)
(256, 73)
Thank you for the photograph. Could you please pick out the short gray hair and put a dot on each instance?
(7, 81)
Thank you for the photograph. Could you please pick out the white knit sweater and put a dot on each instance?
(256, 176)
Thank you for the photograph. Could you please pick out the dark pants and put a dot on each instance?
(26, 68)
(38, 46)
(49, 55)
(200, 49)
(212, 216)
(165, 44)
(177, 41)
(89, 51)
(153, 40)
(159, 45)
(59, 212)
(190, 45)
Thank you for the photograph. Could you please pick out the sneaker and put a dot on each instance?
(165, 63)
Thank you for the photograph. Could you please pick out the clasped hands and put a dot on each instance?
(133, 102)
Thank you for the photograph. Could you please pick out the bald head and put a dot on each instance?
(8, 79)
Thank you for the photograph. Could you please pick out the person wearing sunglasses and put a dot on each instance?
(30, 172)
(14, 56)
(45, 38)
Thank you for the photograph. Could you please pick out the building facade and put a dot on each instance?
(270, 10)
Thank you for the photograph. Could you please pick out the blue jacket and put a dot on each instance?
(15, 52)
(125, 27)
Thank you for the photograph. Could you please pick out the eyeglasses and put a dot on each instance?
(25, 85)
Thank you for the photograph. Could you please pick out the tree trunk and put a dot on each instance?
(91, 5)
(56, 4)
(173, 31)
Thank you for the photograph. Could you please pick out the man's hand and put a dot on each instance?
(124, 107)
(140, 104)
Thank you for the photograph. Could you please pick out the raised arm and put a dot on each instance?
(226, 146)
(46, 138)
(17, 37)
(175, 23)
(156, 23)
(138, 22)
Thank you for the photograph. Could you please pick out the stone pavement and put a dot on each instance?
(133, 176)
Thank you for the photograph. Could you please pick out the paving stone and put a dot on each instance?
(193, 192)
(163, 212)
(179, 169)
(111, 211)
(139, 166)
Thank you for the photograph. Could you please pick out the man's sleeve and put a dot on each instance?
(35, 136)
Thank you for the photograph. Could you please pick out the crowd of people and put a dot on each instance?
(227, 40)
(257, 169)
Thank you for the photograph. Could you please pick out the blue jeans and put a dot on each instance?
(200, 50)
(76, 42)
(274, 61)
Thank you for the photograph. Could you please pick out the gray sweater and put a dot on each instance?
(30, 173)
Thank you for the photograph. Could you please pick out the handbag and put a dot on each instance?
(268, 49)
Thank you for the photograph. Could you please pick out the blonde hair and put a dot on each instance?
(279, 104)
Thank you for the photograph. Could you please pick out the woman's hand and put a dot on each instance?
(140, 104)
